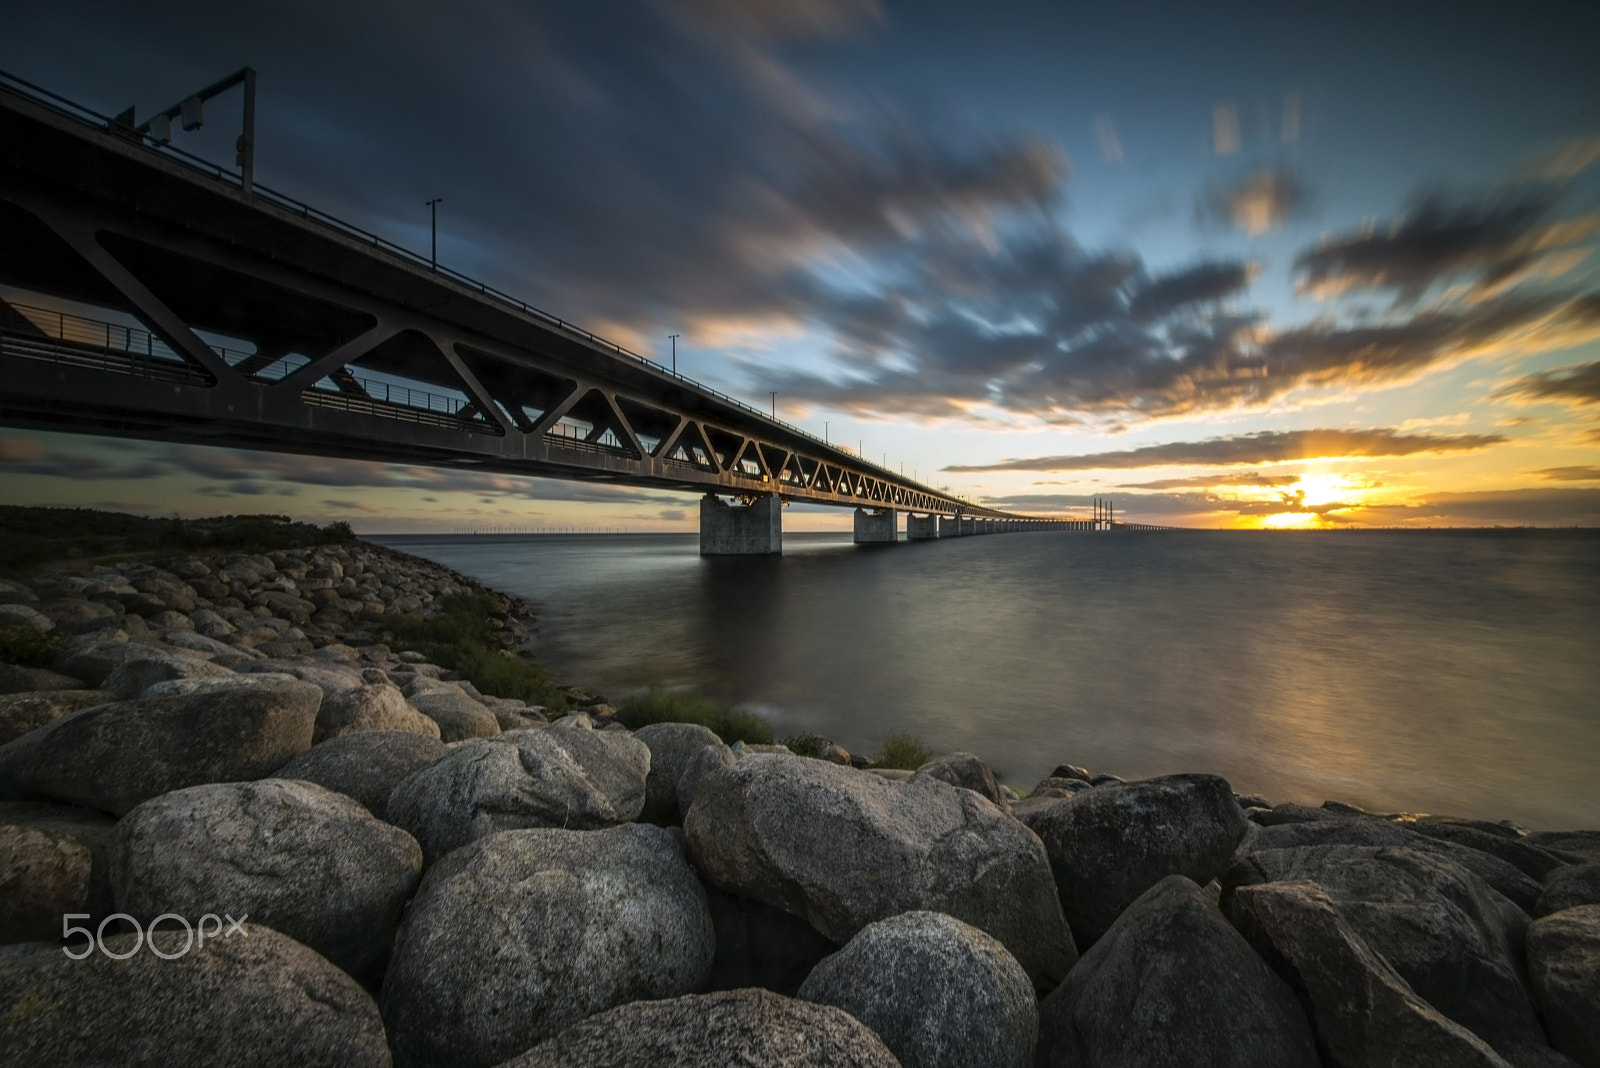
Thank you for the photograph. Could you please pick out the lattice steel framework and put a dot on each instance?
(349, 345)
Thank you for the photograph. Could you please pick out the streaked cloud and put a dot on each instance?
(1577, 385)
(1569, 474)
(1105, 134)
(1579, 507)
(1266, 446)
(1248, 479)
(1225, 129)
(1489, 244)
(1259, 203)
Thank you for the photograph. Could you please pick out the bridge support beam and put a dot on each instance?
(949, 526)
(921, 527)
(876, 526)
(753, 529)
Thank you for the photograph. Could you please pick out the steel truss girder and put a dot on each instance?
(231, 236)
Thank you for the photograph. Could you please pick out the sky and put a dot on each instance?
(1229, 266)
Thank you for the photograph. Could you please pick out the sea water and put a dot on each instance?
(1426, 671)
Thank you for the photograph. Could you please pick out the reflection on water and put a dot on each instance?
(1440, 671)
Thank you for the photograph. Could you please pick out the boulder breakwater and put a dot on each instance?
(249, 815)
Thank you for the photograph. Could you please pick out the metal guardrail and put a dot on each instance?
(61, 337)
(89, 117)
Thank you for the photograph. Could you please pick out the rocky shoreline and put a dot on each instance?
(357, 857)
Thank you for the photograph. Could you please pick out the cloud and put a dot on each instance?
(30, 456)
(1200, 284)
(672, 514)
(1041, 328)
(1266, 446)
(1564, 507)
(1263, 201)
(1570, 474)
(1491, 243)
(1244, 478)
(1578, 385)
(1105, 134)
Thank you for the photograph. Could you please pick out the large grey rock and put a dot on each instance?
(966, 771)
(43, 876)
(523, 933)
(843, 848)
(734, 1027)
(1111, 844)
(134, 677)
(366, 765)
(24, 712)
(1367, 831)
(938, 992)
(1574, 845)
(1568, 888)
(200, 643)
(701, 764)
(459, 717)
(20, 615)
(1365, 1012)
(303, 860)
(286, 606)
(555, 777)
(1530, 860)
(1449, 934)
(94, 661)
(1564, 968)
(328, 676)
(90, 828)
(672, 747)
(379, 707)
(115, 755)
(14, 679)
(257, 1000)
(1172, 983)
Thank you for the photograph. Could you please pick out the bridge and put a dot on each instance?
(349, 345)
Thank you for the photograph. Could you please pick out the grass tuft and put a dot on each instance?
(904, 751)
(460, 638)
(807, 745)
(661, 704)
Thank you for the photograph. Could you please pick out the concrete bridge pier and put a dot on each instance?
(876, 526)
(921, 527)
(949, 526)
(753, 528)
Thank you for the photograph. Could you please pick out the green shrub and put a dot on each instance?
(661, 704)
(25, 647)
(806, 745)
(904, 751)
(460, 638)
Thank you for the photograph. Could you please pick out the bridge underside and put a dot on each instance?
(146, 299)
(331, 346)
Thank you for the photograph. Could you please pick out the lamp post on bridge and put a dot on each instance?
(774, 404)
(674, 338)
(433, 218)
(825, 433)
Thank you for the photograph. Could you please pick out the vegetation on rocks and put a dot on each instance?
(662, 704)
(25, 647)
(903, 751)
(31, 537)
(460, 637)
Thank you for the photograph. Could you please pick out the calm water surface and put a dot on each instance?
(1452, 672)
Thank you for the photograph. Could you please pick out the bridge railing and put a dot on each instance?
(89, 117)
(62, 337)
